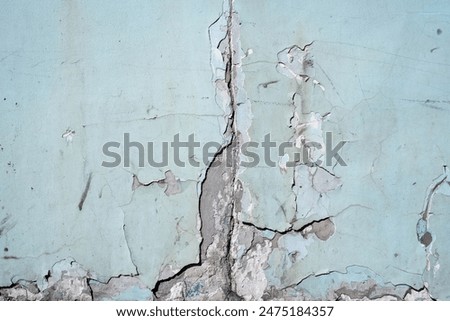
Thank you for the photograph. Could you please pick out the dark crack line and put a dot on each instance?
(88, 282)
(85, 192)
(234, 146)
(369, 296)
(129, 250)
(426, 211)
(202, 246)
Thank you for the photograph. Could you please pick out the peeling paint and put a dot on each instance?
(370, 224)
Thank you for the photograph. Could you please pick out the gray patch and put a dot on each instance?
(323, 229)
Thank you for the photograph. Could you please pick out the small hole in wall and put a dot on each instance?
(426, 239)
(6, 249)
(395, 254)
(438, 31)
(49, 274)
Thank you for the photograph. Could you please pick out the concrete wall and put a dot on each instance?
(224, 150)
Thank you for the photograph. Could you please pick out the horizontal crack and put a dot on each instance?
(300, 230)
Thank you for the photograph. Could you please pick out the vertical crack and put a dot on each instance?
(211, 276)
(129, 250)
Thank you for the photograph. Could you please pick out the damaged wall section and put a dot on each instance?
(368, 226)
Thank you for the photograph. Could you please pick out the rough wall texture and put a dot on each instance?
(360, 88)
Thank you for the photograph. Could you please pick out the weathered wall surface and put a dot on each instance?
(354, 206)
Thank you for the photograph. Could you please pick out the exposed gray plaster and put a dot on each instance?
(226, 232)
